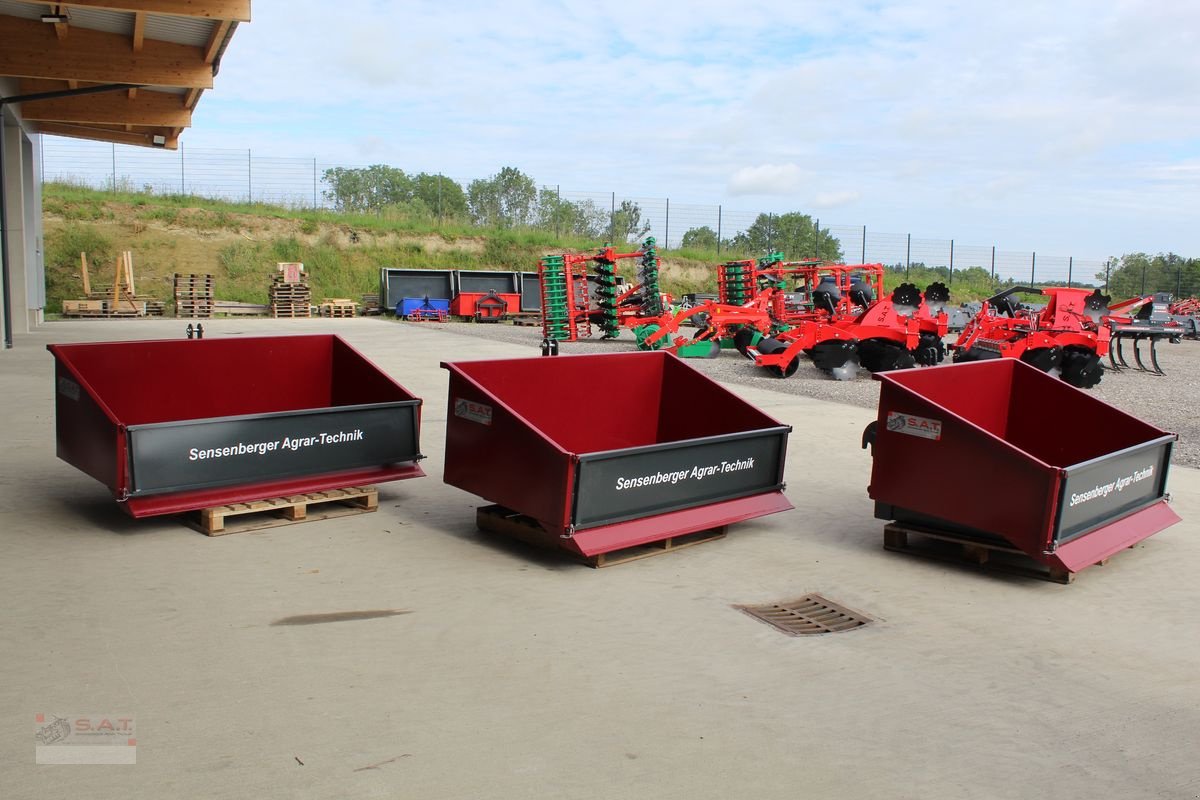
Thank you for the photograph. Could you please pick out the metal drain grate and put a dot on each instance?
(810, 614)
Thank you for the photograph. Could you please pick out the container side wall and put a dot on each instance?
(1062, 425)
(493, 453)
(965, 476)
(162, 381)
(85, 436)
(693, 406)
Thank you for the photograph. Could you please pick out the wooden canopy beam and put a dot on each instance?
(238, 10)
(28, 50)
(137, 138)
(159, 109)
(139, 31)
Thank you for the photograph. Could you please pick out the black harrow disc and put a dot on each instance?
(833, 354)
(1044, 358)
(906, 294)
(973, 354)
(883, 355)
(931, 351)
(861, 293)
(937, 292)
(1095, 305)
(1081, 367)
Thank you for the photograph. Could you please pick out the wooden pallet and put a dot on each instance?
(989, 556)
(276, 511)
(503, 521)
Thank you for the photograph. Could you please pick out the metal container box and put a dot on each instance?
(1001, 449)
(611, 451)
(179, 425)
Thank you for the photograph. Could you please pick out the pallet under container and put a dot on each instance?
(609, 452)
(182, 425)
(1000, 453)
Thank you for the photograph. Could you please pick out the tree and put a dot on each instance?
(584, 219)
(1136, 274)
(444, 197)
(702, 238)
(793, 234)
(504, 200)
(370, 188)
(627, 222)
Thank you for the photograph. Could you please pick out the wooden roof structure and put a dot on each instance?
(165, 52)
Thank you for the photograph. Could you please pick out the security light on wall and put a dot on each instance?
(54, 18)
(158, 141)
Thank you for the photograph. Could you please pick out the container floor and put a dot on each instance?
(517, 673)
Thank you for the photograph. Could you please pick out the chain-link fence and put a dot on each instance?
(245, 176)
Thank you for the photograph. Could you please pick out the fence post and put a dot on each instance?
(993, 268)
(557, 208)
(718, 229)
(667, 227)
(1107, 272)
(612, 220)
(908, 257)
(439, 199)
(249, 178)
(951, 262)
(864, 250)
(114, 160)
(816, 253)
(314, 184)
(1179, 282)
(1033, 269)
(1070, 269)
(182, 182)
(1143, 292)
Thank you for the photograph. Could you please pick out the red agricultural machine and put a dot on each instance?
(896, 332)
(754, 302)
(1069, 336)
(574, 297)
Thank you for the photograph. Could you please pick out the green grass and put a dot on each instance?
(240, 243)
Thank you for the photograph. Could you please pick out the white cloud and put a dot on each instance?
(835, 199)
(767, 179)
(1004, 120)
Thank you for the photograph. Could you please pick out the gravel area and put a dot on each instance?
(1171, 402)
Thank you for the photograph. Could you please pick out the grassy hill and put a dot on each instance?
(240, 244)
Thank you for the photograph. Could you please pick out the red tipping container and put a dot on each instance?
(1001, 449)
(180, 425)
(611, 451)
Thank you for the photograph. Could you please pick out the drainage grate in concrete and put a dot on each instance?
(810, 614)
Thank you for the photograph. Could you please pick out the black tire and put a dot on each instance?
(787, 371)
(743, 340)
(771, 345)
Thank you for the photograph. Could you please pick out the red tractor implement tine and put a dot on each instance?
(1112, 355)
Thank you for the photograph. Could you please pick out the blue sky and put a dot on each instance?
(1067, 127)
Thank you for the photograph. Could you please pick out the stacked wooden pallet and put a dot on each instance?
(118, 300)
(370, 305)
(193, 296)
(290, 299)
(339, 308)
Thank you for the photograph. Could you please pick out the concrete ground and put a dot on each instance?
(516, 673)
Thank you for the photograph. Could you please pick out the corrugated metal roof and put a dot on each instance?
(11, 8)
(96, 19)
(192, 31)
(181, 30)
